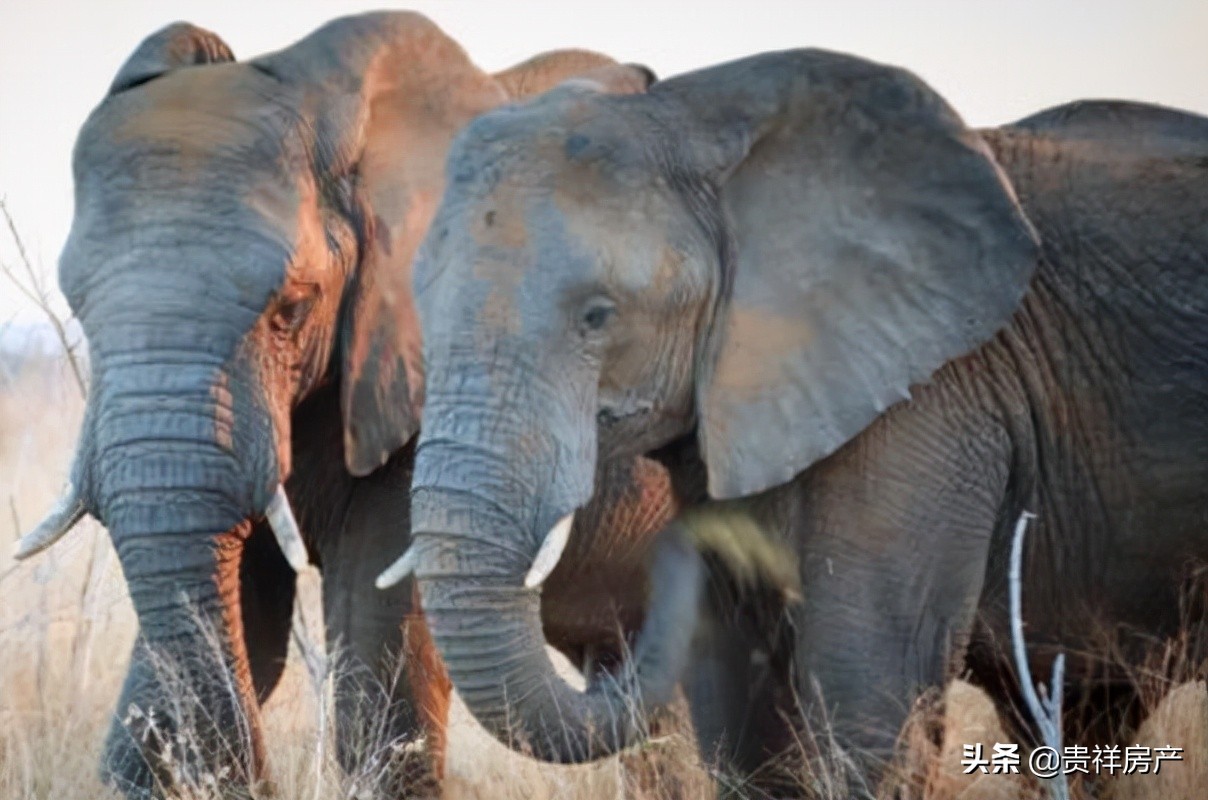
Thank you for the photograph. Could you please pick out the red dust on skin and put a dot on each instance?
(292, 342)
(541, 73)
(600, 586)
(430, 684)
(742, 378)
(229, 547)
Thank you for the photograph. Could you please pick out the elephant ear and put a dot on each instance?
(386, 93)
(869, 238)
(177, 45)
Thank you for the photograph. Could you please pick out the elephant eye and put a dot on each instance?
(597, 314)
(293, 307)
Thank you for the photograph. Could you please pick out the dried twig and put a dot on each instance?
(6, 371)
(30, 283)
(1045, 710)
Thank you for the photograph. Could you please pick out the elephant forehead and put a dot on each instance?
(550, 197)
(500, 218)
(212, 154)
(522, 253)
(566, 135)
(199, 115)
(548, 204)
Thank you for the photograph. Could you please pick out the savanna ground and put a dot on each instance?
(66, 628)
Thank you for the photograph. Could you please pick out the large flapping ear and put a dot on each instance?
(388, 91)
(177, 45)
(546, 70)
(870, 237)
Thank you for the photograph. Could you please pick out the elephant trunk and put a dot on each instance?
(487, 625)
(187, 709)
(477, 527)
(178, 498)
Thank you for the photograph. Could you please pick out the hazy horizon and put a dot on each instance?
(994, 61)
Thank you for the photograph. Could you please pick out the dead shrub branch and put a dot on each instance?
(31, 283)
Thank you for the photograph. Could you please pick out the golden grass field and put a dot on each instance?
(66, 628)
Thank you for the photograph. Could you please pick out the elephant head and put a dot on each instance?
(756, 259)
(234, 226)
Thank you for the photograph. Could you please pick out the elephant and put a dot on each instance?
(862, 338)
(236, 228)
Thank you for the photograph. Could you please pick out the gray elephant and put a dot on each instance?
(235, 225)
(833, 311)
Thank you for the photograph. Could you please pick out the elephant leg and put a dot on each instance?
(391, 691)
(894, 534)
(266, 597)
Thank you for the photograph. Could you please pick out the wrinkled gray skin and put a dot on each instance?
(802, 281)
(234, 225)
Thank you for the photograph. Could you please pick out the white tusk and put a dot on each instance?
(62, 518)
(399, 570)
(550, 552)
(285, 528)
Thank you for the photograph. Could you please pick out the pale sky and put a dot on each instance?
(994, 60)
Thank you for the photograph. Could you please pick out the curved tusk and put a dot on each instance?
(62, 518)
(550, 552)
(399, 570)
(285, 528)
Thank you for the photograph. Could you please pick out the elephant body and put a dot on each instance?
(1089, 410)
(1109, 446)
(236, 226)
(863, 340)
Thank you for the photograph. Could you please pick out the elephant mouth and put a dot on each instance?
(617, 425)
(610, 416)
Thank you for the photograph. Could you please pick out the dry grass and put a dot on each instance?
(66, 628)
